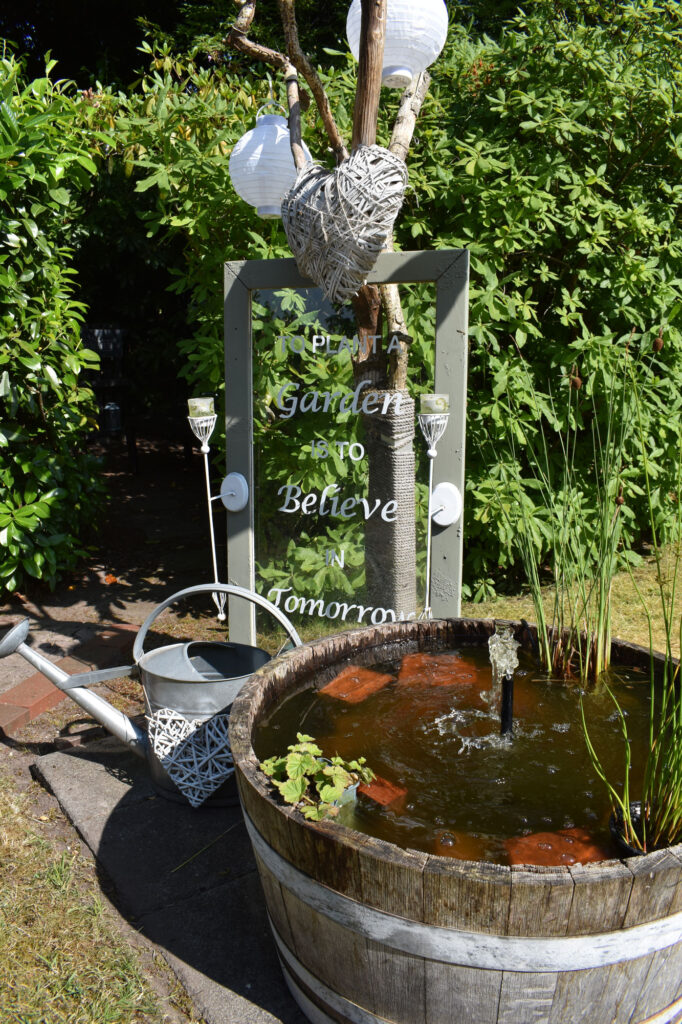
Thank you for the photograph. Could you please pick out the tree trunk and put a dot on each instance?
(390, 546)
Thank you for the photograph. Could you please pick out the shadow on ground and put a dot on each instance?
(153, 541)
(186, 879)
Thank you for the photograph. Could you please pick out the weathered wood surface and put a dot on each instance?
(655, 881)
(349, 960)
(600, 897)
(540, 902)
(468, 895)
(370, 62)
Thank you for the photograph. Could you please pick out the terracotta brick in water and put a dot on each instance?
(385, 793)
(552, 849)
(440, 670)
(354, 684)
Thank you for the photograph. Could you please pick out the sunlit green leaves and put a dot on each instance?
(314, 783)
(45, 480)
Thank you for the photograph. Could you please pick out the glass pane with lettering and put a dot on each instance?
(340, 473)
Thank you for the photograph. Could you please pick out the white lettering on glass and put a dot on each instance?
(333, 609)
(329, 504)
(289, 402)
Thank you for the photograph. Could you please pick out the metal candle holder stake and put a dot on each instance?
(433, 419)
(202, 428)
(234, 490)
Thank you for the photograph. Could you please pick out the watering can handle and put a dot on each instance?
(210, 588)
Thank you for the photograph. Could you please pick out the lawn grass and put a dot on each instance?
(628, 618)
(64, 960)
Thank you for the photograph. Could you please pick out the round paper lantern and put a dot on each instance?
(415, 34)
(262, 167)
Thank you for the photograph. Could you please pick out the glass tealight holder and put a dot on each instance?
(200, 407)
(434, 404)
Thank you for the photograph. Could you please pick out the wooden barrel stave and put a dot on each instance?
(374, 980)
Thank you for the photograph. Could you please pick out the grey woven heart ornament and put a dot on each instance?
(337, 222)
(196, 755)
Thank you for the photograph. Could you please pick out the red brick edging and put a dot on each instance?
(31, 697)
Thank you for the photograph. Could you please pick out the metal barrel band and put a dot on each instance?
(546, 954)
(671, 1014)
(296, 974)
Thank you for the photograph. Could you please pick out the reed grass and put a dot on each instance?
(655, 820)
(544, 502)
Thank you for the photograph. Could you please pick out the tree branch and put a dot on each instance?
(368, 90)
(294, 104)
(303, 65)
(410, 105)
(236, 37)
(403, 130)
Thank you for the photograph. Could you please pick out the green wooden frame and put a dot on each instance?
(448, 269)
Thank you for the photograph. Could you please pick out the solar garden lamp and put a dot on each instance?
(262, 167)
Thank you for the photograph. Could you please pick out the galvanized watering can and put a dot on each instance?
(197, 680)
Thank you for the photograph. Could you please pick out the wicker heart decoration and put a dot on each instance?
(196, 755)
(337, 222)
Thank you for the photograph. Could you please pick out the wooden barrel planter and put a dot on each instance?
(367, 932)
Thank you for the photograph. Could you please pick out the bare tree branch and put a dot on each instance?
(368, 91)
(303, 65)
(247, 10)
(236, 37)
(408, 112)
(395, 327)
(403, 130)
(294, 104)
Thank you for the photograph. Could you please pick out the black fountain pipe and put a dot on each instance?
(507, 707)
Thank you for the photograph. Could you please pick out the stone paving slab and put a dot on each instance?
(186, 879)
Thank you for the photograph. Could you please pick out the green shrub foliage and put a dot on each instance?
(48, 488)
(554, 153)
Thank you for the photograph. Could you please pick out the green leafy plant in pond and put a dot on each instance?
(314, 783)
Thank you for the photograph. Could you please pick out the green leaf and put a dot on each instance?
(60, 195)
(292, 790)
(51, 374)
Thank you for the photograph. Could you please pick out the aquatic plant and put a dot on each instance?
(314, 783)
(655, 821)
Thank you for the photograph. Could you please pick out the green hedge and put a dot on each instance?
(48, 483)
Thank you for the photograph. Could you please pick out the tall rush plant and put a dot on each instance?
(575, 639)
(657, 822)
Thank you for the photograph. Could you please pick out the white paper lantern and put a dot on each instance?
(262, 167)
(416, 31)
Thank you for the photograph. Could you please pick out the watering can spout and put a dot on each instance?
(118, 724)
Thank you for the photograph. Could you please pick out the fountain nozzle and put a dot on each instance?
(504, 660)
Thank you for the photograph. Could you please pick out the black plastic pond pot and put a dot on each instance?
(369, 932)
